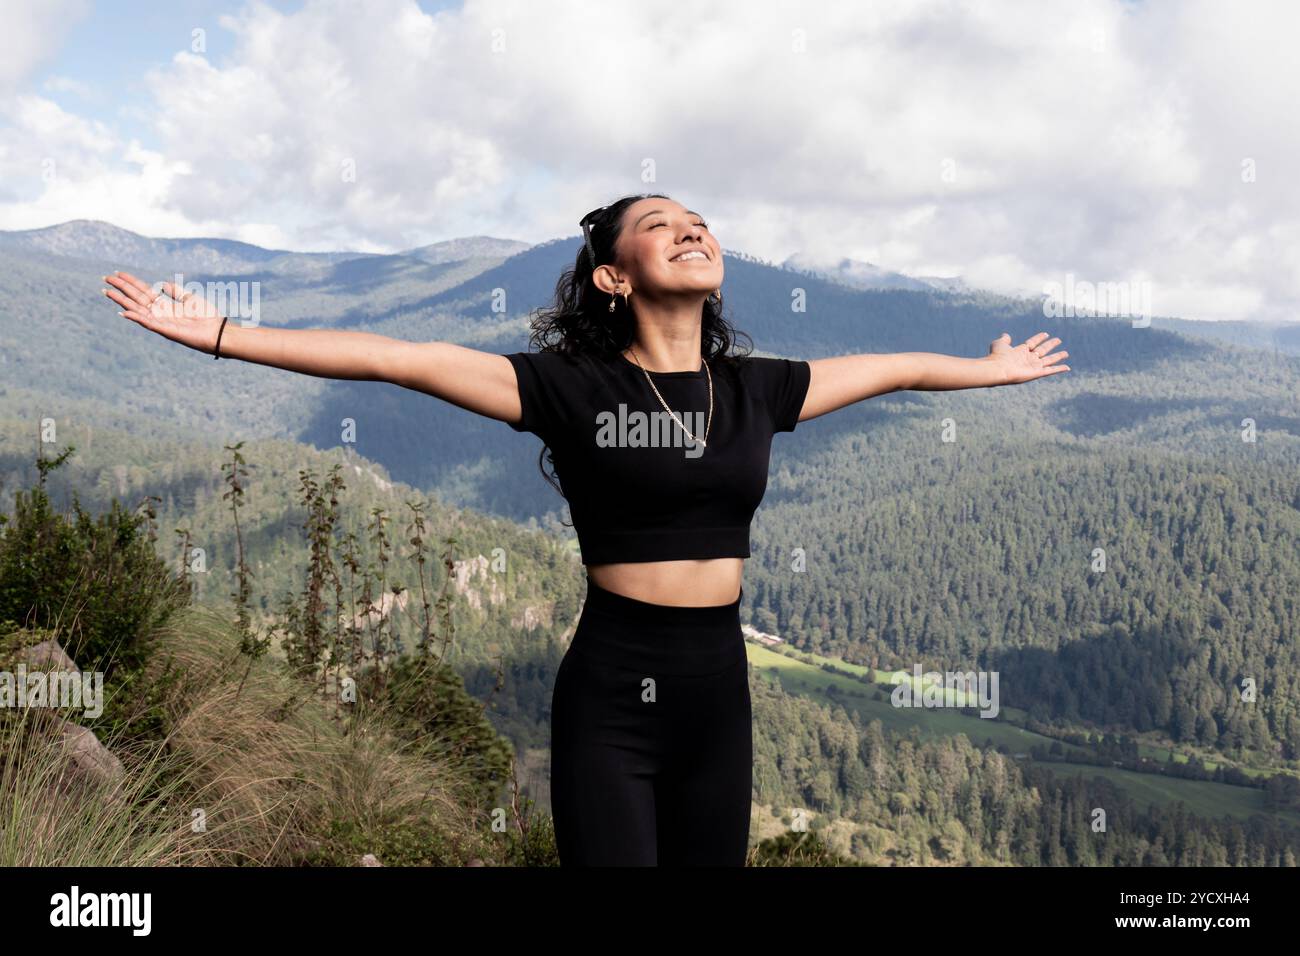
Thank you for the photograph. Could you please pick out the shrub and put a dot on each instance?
(97, 581)
(426, 703)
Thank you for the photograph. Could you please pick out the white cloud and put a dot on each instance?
(1012, 143)
(66, 84)
(31, 35)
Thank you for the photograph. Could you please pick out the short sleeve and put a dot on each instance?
(782, 385)
(546, 387)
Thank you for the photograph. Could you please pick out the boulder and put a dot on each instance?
(47, 656)
(88, 762)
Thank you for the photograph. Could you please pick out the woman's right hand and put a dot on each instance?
(174, 313)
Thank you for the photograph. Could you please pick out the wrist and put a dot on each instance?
(998, 374)
(222, 338)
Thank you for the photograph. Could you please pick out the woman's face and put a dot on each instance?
(652, 250)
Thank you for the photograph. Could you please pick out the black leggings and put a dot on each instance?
(651, 741)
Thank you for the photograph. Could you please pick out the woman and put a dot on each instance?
(659, 432)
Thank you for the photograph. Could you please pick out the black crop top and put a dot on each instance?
(638, 488)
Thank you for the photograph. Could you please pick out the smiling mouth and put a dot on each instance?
(690, 256)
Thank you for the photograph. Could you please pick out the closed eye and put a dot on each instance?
(703, 225)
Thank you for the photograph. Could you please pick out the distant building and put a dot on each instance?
(754, 634)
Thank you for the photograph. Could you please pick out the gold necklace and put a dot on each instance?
(707, 425)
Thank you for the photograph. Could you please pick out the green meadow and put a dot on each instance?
(798, 676)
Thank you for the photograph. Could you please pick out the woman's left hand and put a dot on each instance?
(1031, 359)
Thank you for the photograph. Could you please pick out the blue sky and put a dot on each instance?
(1016, 144)
(109, 46)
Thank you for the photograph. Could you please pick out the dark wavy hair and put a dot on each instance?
(579, 321)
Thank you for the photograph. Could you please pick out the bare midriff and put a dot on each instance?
(693, 583)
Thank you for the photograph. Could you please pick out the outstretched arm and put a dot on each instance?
(477, 381)
(845, 379)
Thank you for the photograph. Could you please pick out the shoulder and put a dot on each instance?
(546, 360)
(765, 364)
(769, 370)
(780, 385)
(552, 388)
(549, 367)
(568, 374)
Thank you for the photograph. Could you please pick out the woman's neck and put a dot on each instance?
(668, 339)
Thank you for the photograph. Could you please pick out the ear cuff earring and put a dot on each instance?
(613, 298)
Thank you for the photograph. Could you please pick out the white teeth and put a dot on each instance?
(689, 255)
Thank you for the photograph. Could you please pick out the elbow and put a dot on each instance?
(907, 374)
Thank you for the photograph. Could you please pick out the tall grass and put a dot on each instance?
(232, 755)
(47, 820)
(256, 774)
(276, 773)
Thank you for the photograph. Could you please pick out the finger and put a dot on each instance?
(116, 296)
(179, 295)
(1055, 357)
(121, 299)
(151, 294)
(132, 287)
(1031, 342)
(1046, 346)
(134, 281)
(117, 282)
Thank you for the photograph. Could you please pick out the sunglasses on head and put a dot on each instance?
(585, 223)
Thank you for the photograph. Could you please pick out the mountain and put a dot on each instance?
(954, 530)
(97, 241)
(864, 275)
(1272, 336)
(947, 283)
(89, 362)
(471, 247)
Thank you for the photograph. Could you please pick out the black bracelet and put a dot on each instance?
(216, 352)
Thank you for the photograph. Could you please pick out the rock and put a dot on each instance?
(478, 568)
(47, 655)
(534, 616)
(86, 763)
(88, 760)
(387, 602)
(370, 860)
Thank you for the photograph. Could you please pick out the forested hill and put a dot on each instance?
(480, 293)
(955, 530)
